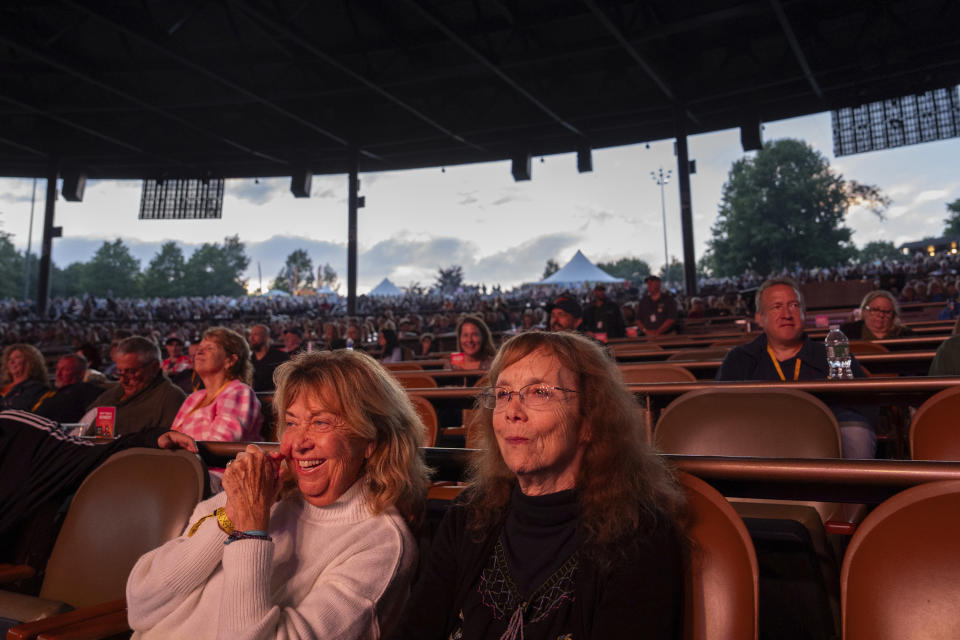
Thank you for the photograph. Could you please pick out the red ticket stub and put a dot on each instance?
(457, 360)
(103, 425)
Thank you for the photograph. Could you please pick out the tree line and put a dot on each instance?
(782, 207)
(213, 269)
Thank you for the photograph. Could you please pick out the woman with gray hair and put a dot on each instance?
(570, 526)
(879, 319)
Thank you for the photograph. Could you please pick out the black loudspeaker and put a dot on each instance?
(751, 136)
(521, 166)
(300, 183)
(73, 187)
(584, 160)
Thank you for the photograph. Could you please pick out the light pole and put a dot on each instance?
(661, 179)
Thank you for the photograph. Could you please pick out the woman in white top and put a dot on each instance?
(312, 541)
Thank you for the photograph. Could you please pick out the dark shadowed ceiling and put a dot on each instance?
(153, 88)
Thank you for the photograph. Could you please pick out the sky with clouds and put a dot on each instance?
(476, 216)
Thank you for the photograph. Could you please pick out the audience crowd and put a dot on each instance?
(569, 519)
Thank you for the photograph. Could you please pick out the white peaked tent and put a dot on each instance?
(578, 271)
(386, 288)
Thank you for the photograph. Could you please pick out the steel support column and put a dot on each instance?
(43, 283)
(353, 189)
(686, 209)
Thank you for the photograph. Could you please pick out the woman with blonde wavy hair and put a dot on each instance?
(571, 526)
(323, 549)
(23, 377)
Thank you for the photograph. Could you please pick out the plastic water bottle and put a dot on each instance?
(838, 354)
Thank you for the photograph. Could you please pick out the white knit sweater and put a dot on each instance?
(330, 572)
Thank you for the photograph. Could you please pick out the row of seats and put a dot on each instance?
(898, 578)
(720, 419)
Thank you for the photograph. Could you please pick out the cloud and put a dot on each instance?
(931, 194)
(468, 198)
(503, 200)
(523, 262)
(258, 191)
(19, 190)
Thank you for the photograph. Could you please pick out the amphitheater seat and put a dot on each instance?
(402, 366)
(933, 431)
(860, 347)
(429, 416)
(135, 501)
(651, 373)
(700, 355)
(775, 423)
(417, 382)
(632, 348)
(721, 599)
(899, 576)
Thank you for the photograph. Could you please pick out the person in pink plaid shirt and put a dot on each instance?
(226, 409)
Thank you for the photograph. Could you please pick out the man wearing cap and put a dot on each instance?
(603, 316)
(176, 360)
(292, 340)
(566, 314)
(657, 311)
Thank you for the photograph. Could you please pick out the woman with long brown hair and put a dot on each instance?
(570, 526)
(23, 377)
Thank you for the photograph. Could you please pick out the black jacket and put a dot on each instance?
(752, 362)
(607, 318)
(639, 596)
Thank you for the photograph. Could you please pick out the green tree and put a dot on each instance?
(297, 272)
(785, 206)
(330, 277)
(11, 268)
(64, 282)
(953, 219)
(449, 279)
(879, 250)
(674, 273)
(633, 269)
(164, 275)
(551, 268)
(215, 270)
(112, 271)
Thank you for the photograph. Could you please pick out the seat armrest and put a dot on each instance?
(14, 572)
(840, 528)
(31, 630)
(105, 626)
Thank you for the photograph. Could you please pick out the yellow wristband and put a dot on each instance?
(221, 515)
(224, 521)
(196, 525)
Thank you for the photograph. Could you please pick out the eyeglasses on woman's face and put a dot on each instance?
(879, 311)
(532, 396)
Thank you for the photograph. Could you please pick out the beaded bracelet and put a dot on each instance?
(253, 534)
